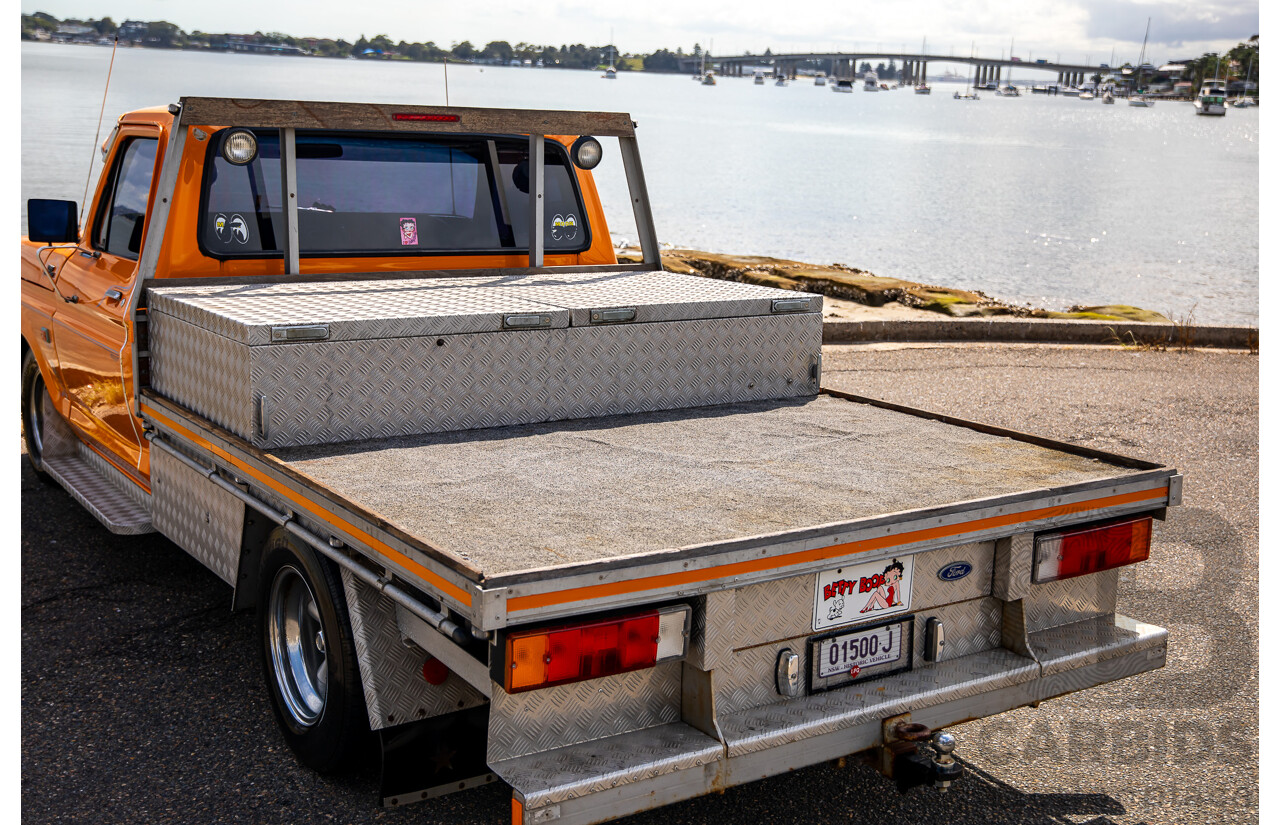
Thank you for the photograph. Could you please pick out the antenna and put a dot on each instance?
(84, 198)
(446, 81)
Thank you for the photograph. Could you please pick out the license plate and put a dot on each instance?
(860, 654)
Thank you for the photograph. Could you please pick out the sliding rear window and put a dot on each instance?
(390, 195)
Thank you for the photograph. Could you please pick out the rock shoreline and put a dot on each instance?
(861, 287)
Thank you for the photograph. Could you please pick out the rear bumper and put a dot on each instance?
(621, 775)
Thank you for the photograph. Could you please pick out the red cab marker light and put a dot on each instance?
(1066, 554)
(424, 118)
(558, 655)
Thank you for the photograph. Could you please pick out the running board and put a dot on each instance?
(88, 484)
(113, 498)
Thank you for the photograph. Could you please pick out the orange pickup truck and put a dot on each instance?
(521, 512)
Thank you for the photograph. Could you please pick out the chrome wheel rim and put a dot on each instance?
(35, 414)
(298, 647)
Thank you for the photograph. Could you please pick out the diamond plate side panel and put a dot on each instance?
(968, 627)
(772, 725)
(784, 609)
(390, 669)
(1071, 600)
(712, 634)
(573, 772)
(748, 680)
(348, 390)
(203, 371)
(202, 519)
(773, 610)
(540, 720)
(1014, 557)
(928, 590)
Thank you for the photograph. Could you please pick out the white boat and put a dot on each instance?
(842, 86)
(870, 82)
(708, 79)
(758, 78)
(781, 81)
(1241, 101)
(966, 95)
(1008, 91)
(1107, 97)
(820, 79)
(923, 89)
(1086, 95)
(1142, 101)
(1212, 99)
(611, 73)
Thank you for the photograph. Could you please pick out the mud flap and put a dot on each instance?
(434, 757)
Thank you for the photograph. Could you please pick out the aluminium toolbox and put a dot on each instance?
(292, 364)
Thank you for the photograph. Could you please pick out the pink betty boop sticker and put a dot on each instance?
(408, 231)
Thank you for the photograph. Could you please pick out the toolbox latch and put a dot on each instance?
(613, 315)
(307, 332)
(525, 321)
(791, 305)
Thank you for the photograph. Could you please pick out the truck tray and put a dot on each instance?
(512, 501)
(540, 520)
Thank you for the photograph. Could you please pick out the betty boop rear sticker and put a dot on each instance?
(860, 592)
(408, 231)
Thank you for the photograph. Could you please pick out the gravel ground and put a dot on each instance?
(142, 700)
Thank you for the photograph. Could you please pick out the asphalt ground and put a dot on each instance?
(142, 699)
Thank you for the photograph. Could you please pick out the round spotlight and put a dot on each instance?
(240, 147)
(586, 152)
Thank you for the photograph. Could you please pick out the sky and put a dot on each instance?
(1067, 30)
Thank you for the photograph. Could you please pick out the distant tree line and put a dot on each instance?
(164, 35)
(161, 34)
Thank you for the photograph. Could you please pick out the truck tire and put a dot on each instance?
(309, 658)
(33, 393)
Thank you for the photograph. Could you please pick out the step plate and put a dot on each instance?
(118, 512)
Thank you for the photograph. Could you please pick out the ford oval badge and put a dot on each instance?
(955, 571)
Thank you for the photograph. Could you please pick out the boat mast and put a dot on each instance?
(1142, 57)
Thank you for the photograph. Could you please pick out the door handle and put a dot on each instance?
(113, 294)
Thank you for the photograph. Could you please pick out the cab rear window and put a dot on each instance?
(390, 195)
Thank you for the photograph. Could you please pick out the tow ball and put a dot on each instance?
(914, 755)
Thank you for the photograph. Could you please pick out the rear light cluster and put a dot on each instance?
(1070, 553)
(587, 650)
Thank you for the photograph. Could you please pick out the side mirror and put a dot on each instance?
(50, 221)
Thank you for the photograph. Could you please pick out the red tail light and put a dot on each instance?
(572, 653)
(1070, 553)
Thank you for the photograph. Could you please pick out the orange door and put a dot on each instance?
(91, 335)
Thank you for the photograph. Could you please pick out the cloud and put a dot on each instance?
(1174, 25)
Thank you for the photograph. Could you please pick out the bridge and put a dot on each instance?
(914, 65)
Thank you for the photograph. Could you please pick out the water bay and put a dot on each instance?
(1047, 201)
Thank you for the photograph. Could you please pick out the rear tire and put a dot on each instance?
(33, 429)
(309, 658)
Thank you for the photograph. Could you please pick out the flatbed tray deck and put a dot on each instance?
(537, 520)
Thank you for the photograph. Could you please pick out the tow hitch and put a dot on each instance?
(913, 755)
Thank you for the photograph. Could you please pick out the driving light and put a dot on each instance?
(586, 152)
(240, 147)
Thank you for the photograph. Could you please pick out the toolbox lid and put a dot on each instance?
(264, 314)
